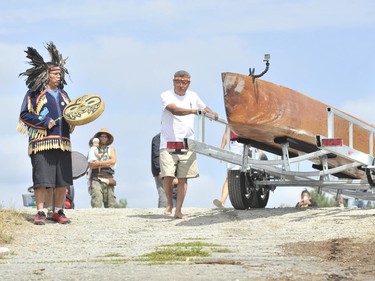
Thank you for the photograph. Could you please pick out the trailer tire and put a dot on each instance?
(238, 194)
(242, 192)
(259, 198)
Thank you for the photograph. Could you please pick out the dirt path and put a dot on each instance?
(266, 244)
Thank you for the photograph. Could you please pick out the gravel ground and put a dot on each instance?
(259, 244)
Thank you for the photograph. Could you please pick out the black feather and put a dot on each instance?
(37, 75)
(57, 59)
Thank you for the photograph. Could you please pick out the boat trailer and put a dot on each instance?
(250, 185)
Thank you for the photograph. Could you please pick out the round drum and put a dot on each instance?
(79, 164)
(83, 110)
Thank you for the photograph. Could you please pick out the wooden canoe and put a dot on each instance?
(264, 112)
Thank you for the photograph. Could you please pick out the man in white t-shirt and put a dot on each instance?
(179, 106)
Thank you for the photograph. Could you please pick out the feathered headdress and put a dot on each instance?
(37, 75)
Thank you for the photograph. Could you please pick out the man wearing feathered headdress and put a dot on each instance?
(49, 133)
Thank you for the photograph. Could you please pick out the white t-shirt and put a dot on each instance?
(173, 127)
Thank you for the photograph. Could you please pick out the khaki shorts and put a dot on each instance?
(178, 165)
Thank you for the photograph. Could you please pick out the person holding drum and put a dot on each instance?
(102, 183)
(49, 134)
(179, 106)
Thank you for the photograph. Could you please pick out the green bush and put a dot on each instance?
(122, 203)
(323, 200)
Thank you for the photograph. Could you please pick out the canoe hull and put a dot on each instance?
(263, 111)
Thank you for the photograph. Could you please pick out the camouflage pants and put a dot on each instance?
(102, 193)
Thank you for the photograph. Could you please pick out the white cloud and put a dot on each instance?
(201, 17)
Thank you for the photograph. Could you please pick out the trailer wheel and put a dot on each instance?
(259, 198)
(242, 192)
(238, 193)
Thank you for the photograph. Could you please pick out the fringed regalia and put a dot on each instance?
(39, 106)
(36, 112)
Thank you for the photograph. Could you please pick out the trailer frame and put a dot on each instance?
(249, 186)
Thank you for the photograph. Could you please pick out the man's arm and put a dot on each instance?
(175, 110)
(106, 163)
(32, 119)
(209, 110)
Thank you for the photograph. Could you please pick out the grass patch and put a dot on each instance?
(181, 252)
(174, 254)
(221, 250)
(9, 221)
(192, 244)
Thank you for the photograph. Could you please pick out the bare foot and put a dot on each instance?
(168, 211)
(218, 203)
(180, 216)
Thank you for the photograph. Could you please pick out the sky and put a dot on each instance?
(127, 52)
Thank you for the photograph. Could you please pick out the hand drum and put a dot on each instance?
(83, 110)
